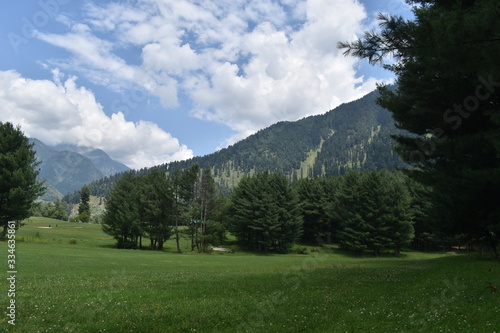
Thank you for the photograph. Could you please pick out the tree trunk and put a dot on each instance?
(4, 232)
(177, 236)
(193, 231)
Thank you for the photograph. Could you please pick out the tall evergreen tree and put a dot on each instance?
(183, 183)
(264, 213)
(84, 206)
(122, 219)
(373, 211)
(388, 211)
(207, 201)
(347, 211)
(448, 99)
(156, 207)
(312, 202)
(19, 187)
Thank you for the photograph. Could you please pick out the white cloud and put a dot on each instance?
(56, 112)
(245, 64)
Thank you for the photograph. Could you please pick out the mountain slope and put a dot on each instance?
(67, 171)
(99, 158)
(355, 135)
(104, 163)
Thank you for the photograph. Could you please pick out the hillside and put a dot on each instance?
(355, 135)
(66, 171)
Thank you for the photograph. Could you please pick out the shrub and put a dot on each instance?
(301, 250)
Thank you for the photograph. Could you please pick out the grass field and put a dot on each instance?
(91, 287)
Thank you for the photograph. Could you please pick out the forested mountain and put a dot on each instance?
(66, 171)
(355, 135)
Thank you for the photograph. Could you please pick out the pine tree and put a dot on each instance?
(84, 206)
(374, 212)
(121, 219)
(448, 100)
(183, 184)
(207, 205)
(156, 207)
(377, 211)
(312, 202)
(19, 187)
(348, 211)
(402, 214)
(264, 213)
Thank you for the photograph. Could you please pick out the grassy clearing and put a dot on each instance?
(90, 287)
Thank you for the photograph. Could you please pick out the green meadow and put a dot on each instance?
(71, 279)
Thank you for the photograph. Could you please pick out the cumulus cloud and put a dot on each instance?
(62, 112)
(246, 64)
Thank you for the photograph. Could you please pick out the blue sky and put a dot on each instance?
(154, 81)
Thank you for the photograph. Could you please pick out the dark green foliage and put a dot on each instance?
(448, 99)
(18, 175)
(312, 200)
(155, 207)
(56, 210)
(84, 207)
(122, 218)
(213, 234)
(205, 206)
(264, 213)
(373, 211)
(183, 183)
(347, 211)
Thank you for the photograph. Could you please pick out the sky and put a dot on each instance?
(153, 81)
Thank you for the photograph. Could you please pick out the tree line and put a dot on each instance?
(360, 211)
(154, 205)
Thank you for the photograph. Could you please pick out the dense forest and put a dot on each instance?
(375, 212)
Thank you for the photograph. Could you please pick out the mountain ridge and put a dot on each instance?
(65, 171)
(354, 135)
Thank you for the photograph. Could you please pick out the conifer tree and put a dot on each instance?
(156, 207)
(207, 201)
(374, 212)
(84, 206)
(121, 219)
(447, 98)
(19, 187)
(348, 211)
(264, 213)
(183, 184)
(312, 202)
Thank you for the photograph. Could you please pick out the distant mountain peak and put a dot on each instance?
(66, 168)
